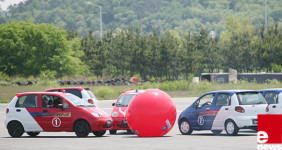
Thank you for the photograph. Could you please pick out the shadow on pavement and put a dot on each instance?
(27, 137)
(135, 136)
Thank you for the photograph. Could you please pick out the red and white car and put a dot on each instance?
(81, 92)
(119, 112)
(36, 112)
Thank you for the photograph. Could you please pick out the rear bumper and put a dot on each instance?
(246, 122)
(119, 124)
(101, 124)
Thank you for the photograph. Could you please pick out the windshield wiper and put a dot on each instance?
(81, 105)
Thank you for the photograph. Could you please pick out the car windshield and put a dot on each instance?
(78, 101)
(250, 98)
(124, 100)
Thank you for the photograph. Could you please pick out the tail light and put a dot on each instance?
(267, 109)
(7, 110)
(90, 101)
(239, 109)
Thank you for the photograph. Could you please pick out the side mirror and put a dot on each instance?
(196, 105)
(113, 104)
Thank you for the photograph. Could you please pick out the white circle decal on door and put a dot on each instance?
(56, 122)
(201, 120)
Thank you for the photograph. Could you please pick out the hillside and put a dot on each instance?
(162, 15)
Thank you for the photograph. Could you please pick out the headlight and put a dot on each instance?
(95, 114)
(115, 114)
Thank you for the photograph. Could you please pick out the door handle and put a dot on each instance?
(226, 108)
(18, 110)
(45, 110)
(274, 106)
(208, 109)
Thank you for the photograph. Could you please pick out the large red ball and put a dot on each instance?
(151, 114)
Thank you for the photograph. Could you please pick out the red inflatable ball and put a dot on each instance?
(151, 113)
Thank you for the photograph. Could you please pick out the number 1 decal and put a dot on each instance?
(56, 122)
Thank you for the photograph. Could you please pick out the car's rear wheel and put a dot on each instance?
(15, 129)
(185, 127)
(81, 129)
(231, 128)
(216, 132)
(113, 131)
(99, 133)
(32, 133)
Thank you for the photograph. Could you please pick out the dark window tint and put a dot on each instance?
(271, 97)
(27, 101)
(75, 92)
(55, 91)
(223, 99)
(52, 101)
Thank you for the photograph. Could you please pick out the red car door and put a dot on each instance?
(52, 116)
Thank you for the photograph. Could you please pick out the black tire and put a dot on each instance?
(216, 132)
(15, 129)
(185, 127)
(99, 133)
(32, 133)
(129, 132)
(231, 128)
(81, 129)
(113, 131)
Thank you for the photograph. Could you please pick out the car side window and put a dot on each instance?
(53, 101)
(27, 101)
(55, 91)
(223, 99)
(75, 92)
(206, 100)
(271, 97)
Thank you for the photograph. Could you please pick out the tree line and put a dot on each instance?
(147, 15)
(28, 49)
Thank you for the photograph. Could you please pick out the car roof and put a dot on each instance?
(125, 92)
(79, 88)
(231, 91)
(274, 89)
(49, 93)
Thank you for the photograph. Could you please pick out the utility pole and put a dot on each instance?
(101, 23)
(265, 14)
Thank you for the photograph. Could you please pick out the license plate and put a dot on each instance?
(255, 121)
(124, 122)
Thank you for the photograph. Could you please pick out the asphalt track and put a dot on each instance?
(205, 140)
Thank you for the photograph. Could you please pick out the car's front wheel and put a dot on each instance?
(99, 133)
(32, 133)
(231, 128)
(185, 127)
(129, 132)
(15, 129)
(81, 129)
(113, 131)
(216, 132)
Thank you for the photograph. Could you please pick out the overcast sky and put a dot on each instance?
(4, 5)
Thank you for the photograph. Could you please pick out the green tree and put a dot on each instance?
(28, 49)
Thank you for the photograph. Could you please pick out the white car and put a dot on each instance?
(81, 92)
(223, 110)
(274, 100)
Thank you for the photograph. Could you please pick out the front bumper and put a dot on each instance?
(101, 124)
(119, 124)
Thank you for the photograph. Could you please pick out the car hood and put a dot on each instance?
(96, 110)
(121, 112)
